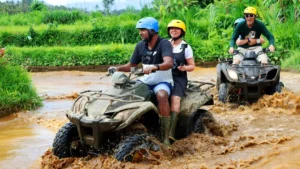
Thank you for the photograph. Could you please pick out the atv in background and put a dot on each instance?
(124, 121)
(247, 81)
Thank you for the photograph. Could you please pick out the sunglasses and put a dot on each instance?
(249, 15)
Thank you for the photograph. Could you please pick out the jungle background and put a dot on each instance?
(35, 34)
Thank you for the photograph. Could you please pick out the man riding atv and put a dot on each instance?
(249, 75)
(240, 41)
(250, 31)
(126, 120)
(155, 53)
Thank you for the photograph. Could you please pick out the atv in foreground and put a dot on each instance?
(247, 81)
(124, 120)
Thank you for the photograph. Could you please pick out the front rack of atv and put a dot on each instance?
(198, 86)
(99, 95)
(225, 60)
(251, 66)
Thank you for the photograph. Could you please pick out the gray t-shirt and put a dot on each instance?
(151, 57)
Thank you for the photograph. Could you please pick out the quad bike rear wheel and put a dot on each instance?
(66, 142)
(202, 120)
(134, 147)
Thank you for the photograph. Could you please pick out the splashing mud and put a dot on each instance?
(262, 135)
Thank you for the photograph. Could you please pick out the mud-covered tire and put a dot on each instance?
(223, 92)
(218, 84)
(131, 144)
(277, 88)
(63, 141)
(203, 118)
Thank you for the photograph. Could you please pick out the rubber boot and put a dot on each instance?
(165, 129)
(174, 118)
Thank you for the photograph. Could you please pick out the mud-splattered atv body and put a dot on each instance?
(125, 115)
(247, 81)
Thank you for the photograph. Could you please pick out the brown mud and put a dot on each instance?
(262, 135)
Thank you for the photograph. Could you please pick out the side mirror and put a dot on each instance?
(112, 70)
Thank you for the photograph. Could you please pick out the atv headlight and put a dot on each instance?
(232, 74)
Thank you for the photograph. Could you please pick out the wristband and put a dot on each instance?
(249, 40)
(258, 41)
(157, 65)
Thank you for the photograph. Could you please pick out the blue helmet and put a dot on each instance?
(148, 23)
(238, 21)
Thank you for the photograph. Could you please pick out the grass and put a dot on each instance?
(292, 62)
(16, 90)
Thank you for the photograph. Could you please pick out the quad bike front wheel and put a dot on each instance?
(223, 92)
(66, 142)
(134, 148)
(277, 88)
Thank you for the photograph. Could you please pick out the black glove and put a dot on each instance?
(112, 70)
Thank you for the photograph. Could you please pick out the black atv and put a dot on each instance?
(124, 121)
(249, 80)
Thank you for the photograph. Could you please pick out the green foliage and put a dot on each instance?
(9, 7)
(292, 62)
(148, 11)
(69, 56)
(16, 90)
(37, 6)
(64, 17)
(96, 15)
(55, 35)
(107, 4)
(208, 29)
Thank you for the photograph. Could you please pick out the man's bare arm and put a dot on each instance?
(167, 64)
(126, 67)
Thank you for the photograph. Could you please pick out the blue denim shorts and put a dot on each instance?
(161, 86)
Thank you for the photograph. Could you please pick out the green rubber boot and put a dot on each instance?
(174, 118)
(165, 129)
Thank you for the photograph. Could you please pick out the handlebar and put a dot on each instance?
(264, 50)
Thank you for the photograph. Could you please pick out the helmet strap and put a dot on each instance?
(151, 33)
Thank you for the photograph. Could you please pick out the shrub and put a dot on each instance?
(16, 90)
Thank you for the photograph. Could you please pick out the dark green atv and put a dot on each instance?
(124, 120)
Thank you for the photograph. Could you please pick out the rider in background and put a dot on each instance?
(155, 53)
(250, 31)
(183, 63)
(239, 41)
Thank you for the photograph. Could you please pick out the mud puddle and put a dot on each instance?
(22, 142)
(262, 135)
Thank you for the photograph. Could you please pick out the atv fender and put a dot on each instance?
(131, 112)
(189, 107)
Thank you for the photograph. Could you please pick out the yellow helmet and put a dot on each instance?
(177, 24)
(250, 10)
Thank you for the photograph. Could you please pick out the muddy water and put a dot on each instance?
(22, 143)
(263, 135)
